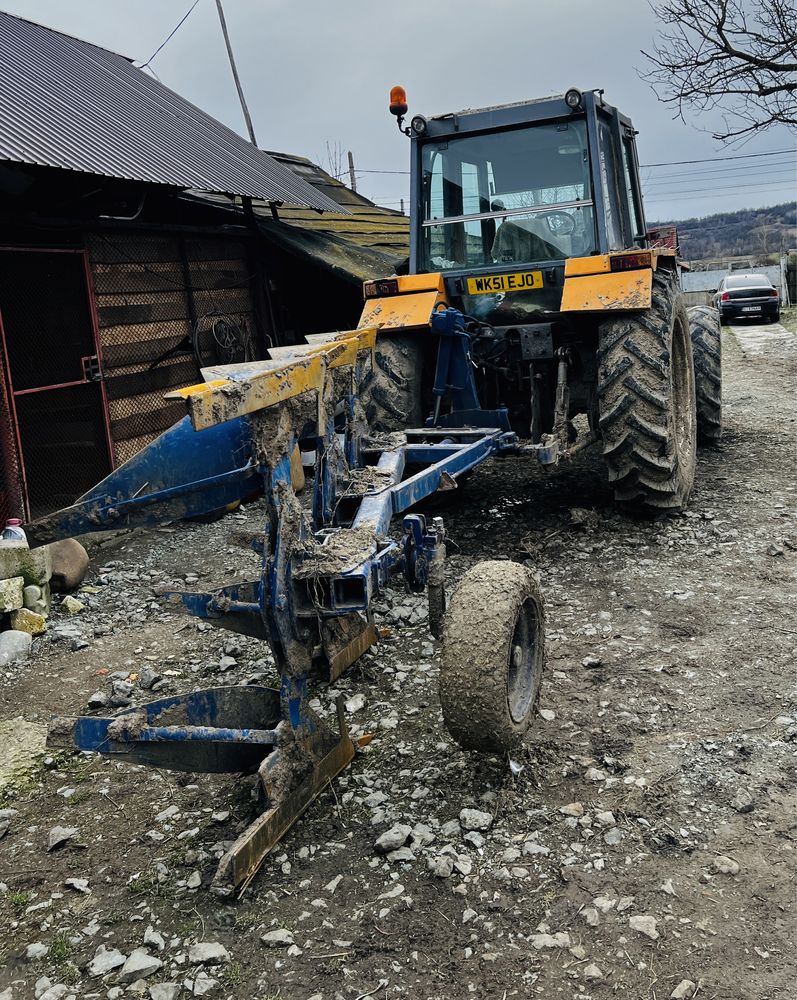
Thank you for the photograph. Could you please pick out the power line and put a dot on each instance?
(361, 171)
(672, 187)
(644, 166)
(171, 35)
(687, 183)
(663, 199)
(716, 159)
(724, 171)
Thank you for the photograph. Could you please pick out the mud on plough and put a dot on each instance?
(323, 563)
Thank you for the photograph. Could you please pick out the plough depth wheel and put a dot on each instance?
(493, 653)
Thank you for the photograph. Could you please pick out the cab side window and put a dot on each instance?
(611, 196)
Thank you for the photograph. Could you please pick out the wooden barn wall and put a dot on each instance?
(153, 294)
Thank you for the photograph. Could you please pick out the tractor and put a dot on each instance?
(537, 315)
(527, 221)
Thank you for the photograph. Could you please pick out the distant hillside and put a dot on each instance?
(758, 231)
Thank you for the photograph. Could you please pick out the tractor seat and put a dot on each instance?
(520, 242)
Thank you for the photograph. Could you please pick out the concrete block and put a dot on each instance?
(33, 565)
(12, 594)
(28, 621)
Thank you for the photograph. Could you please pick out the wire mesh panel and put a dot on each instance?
(54, 426)
(166, 306)
(12, 495)
(63, 444)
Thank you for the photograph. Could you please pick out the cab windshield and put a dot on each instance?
(519, 196)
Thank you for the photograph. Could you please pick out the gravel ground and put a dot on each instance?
(641, 844)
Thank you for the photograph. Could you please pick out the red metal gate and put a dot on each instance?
(54, 431)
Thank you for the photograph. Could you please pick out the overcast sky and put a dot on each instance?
(317, 73)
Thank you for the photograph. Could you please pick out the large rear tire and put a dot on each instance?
(492, 656)
(390, 390)
(646, 401)
(704, 327)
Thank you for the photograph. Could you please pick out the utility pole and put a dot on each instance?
(402, 206)
(235, 73)
(352, 177)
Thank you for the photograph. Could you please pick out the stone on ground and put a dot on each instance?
(208, 953)
(24, 620)
(475, 819)
(69, 564)
(139, 965)
(14, 647)
(644, 925)
(11, 594)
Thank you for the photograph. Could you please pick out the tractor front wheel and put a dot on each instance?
(646, 401)
(492, 656)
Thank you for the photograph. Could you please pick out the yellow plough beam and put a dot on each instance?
(215, 402)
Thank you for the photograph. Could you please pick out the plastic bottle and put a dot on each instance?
(13, 531)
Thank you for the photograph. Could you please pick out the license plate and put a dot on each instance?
(751, 309)
(522, 281)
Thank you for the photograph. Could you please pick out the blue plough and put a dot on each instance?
(322, 563)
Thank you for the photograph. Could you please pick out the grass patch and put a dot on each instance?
(80, 795)
(234, 973)
(148, 884)
(70, 974)
(144, 884)
(72, 762)
(60, 949)
(19, 899)
(19, 788)
(788, 318)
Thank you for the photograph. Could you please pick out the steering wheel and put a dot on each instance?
(560, 223)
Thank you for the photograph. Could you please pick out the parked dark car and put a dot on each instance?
(747, 296)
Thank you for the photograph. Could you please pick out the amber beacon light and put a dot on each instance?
(398, 101)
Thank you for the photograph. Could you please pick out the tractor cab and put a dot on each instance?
(501, 197)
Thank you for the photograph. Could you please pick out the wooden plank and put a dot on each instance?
(118, 310)
(117, 279)
(164, 376)
(115, 248)
(131, 310)
(231, 302)
(125, 450)
(147, 421)
(125, 279)
(144, 332)
(210, 248)
(125, 355)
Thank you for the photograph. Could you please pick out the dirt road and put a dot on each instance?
(647, 837)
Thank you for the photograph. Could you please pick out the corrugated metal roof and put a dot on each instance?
(356, 219)
(72, 105)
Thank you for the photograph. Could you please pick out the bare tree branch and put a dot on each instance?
(736, 56)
